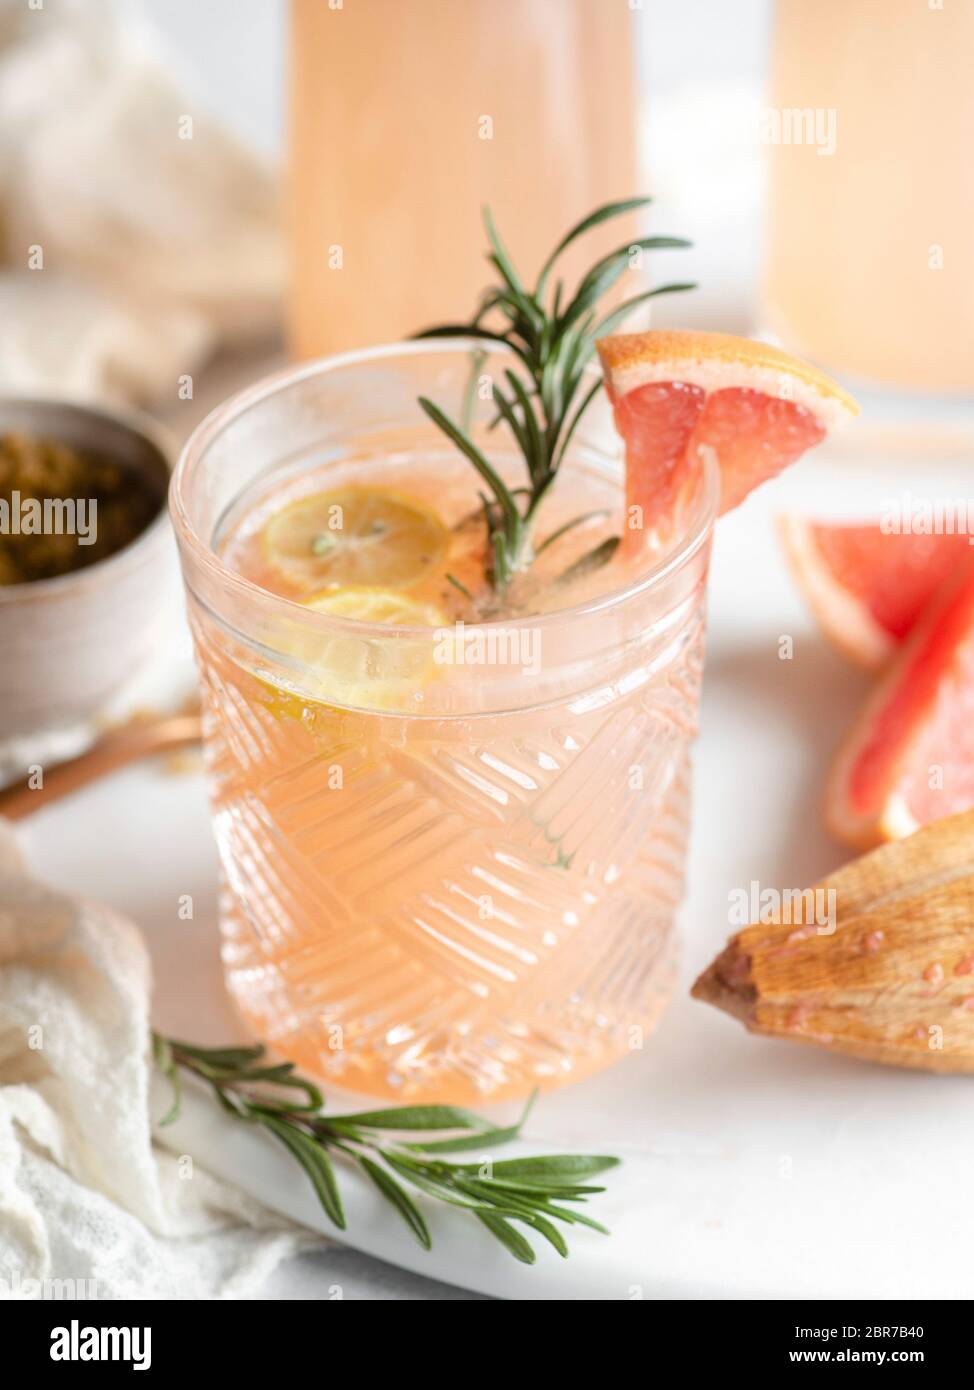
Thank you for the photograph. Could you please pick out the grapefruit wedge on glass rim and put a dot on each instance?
(868, 588)
(909, 759)
(679, 395)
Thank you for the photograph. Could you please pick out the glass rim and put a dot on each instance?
(209, 428)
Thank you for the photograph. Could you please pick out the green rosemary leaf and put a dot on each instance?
(480, 1142)
(459, 330)
(533, 448)
(400, 1199)
(573, 1218)
(519, 1206)
(519, 1246)
(504, 565)
(485, 1191)
(477, 360)
(607, 271)
(601, 214)
(529, 1105)
(276, 1074)
(233, 1103)
(269, 1076)
(426, 1181)
(578, 348)
(618, 316)
(327, 1129)
(543, 1191)
(163, 1057)
(489, 299)
(599, 280)
(315, 1163)
(556, 1167)
(591, 561)
(486, 470)
(592, 289)
(505, 412)
(514, 297)
(469, 330)
(522, 1202)
(551, 1234)
(279, 1072)
(436, 1117)
(487, 509)
(557, 534)
(502, 261)
(452, 579)
(219, 1056)
(485, 1137)
(566, 437)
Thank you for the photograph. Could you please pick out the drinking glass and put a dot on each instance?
(443, 881)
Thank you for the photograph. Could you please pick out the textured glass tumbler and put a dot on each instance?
(449, 889)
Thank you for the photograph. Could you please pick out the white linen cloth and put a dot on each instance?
(85, 1195)
(153, 235)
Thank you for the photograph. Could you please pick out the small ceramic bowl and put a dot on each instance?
(69, 645)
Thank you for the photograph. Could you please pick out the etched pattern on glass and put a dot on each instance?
(458, 907)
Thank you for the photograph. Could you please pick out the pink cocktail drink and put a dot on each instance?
(452, 824)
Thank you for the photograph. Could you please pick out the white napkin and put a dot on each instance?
(85, 1196)
(158, 233)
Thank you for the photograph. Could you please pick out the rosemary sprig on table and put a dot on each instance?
(540, 403)
(498, 1193)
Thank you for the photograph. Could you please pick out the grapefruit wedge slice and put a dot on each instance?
(868, 588)
(909, 759)
(678, 395)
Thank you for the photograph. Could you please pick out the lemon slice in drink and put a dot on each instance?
(366, 671)
(353, 538)
(382, 672)
(387, 606)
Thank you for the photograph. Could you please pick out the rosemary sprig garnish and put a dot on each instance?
(541, 403)
(498, 1193)
(592, 560)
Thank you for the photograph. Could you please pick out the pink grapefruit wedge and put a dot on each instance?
(909, 759)
(868, 588)
(678, 395)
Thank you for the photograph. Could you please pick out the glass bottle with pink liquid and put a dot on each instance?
(871, 211)
(405, 119)
(452, 840)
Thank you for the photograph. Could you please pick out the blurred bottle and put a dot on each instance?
(407, 117)
(870, 264)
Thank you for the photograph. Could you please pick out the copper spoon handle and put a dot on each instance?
(114, 750)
